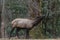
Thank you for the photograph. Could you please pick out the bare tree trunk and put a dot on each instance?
(0, 24)
(0, 16)
(3, 20)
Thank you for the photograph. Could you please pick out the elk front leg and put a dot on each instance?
(17, 32)
(11, 32)
(27, 34)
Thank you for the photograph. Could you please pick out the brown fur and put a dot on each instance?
(22, 23)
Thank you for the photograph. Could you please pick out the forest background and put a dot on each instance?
(48, 28)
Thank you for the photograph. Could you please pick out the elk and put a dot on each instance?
(28, 24)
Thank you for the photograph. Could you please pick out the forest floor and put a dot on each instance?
(26, 39)
(14, 38)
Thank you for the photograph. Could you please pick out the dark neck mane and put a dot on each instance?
(38, 20)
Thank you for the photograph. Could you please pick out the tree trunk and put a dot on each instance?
(3, 20)
(0, 25)
(0, 16)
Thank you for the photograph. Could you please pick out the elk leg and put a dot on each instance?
(11, 32)
(17, 32)
(27, 34)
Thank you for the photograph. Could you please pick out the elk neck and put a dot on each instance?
(37, 20)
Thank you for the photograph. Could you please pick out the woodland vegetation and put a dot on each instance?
(49, 27)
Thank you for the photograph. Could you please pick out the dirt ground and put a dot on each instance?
(26, 39)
